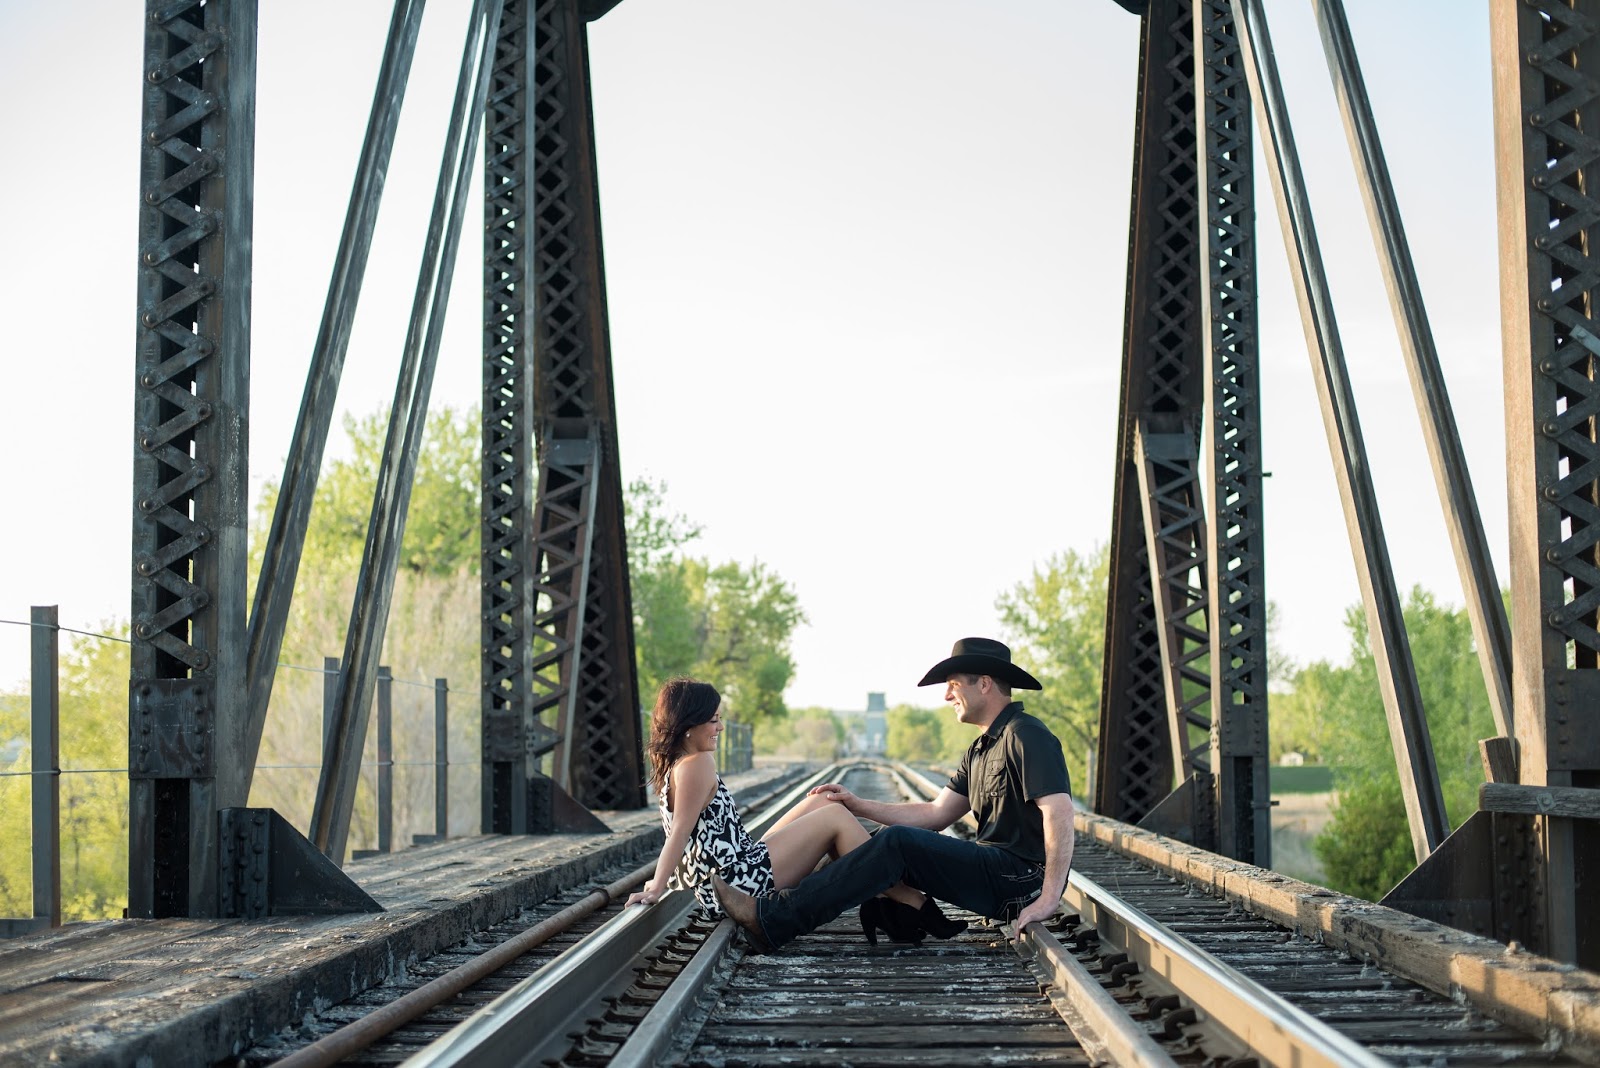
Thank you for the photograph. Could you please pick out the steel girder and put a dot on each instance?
(558, 623)
(1144, 725)
(191, 409)
(1546, 58)
(1178, 611)
(1235, 571)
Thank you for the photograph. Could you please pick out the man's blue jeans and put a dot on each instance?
(983, 879)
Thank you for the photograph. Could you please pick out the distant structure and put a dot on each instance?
(872, 737)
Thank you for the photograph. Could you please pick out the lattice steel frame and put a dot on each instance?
(1547, 120)
(1145, 709)
(1235, 566)
(191, 408)
(558, 621)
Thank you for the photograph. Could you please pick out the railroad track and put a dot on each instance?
(1141, 968)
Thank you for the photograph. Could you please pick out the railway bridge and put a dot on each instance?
(244, 931)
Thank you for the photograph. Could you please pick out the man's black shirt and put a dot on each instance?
(1010, 764)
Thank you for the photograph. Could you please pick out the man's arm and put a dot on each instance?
(1058, 839)
(933, 815)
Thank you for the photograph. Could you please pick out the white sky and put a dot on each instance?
(866, 268)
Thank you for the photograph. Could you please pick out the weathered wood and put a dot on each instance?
(1499, 758)
(1568, 801)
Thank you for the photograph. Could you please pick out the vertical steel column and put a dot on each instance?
(558, 632)
(187, 715)
(1546, 60)
(45, 687)
(1155, 615)
(1235, 566)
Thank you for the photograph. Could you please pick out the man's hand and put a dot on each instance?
(834, 792)
(1039, 908)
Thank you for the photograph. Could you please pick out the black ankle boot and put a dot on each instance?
(900, 922)
(937, 923)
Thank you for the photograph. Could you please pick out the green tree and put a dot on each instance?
(1367, 846)
(94, 801)
(728, 623)
(915, 735)
(1055, 623)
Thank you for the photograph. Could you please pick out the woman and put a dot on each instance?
(705, 834)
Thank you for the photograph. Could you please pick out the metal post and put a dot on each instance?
(280, 561)
(330, 699)
(369, 616)
(45, 686)
(188, 715)
(1397, 677)
(1546, 63)
(385, 759)
(1454, 482)
(441, 758)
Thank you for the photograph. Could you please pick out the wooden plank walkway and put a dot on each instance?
(195, 992)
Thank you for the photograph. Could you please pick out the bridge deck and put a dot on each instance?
(186, 991)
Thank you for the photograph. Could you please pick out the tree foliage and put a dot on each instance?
(1366, 848)
(729, 623)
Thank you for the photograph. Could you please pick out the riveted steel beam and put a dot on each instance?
(558, 624)
(1143, 702)
(1546, 63)
(187, 716)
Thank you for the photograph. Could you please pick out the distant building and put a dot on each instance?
(870, 734)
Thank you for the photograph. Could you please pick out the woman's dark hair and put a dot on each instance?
(681, 704)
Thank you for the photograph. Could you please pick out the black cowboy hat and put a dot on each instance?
(980, 656)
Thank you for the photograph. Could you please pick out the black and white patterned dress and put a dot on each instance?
(719, 842)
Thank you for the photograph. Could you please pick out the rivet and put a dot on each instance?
(147, 505)
(1541, 242)
(1537, 118)
(1544, 304)
(1550, 428)
(1552, 555)
(1547, 366)
(148, 319)
(142, 630)
(1551, 493)
(1554, 618)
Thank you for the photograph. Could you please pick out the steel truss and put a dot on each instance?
(1518, 868)
(1189, 348)
(558, 626)
(191, 412)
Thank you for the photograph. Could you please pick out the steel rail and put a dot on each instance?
(378, 1024)
(1105, 1031)
(1270, 1027)
(565, 992)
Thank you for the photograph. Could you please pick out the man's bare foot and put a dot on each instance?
(741, 908)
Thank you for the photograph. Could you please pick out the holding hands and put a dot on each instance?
(832, 791)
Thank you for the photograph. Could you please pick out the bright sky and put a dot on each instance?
(866, 269)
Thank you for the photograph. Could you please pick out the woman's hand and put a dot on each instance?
(648, 896)
(832, 791)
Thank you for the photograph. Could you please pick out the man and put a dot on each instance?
(1012, 778)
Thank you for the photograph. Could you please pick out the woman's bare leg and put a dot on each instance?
(809, 803)
(796, 845)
